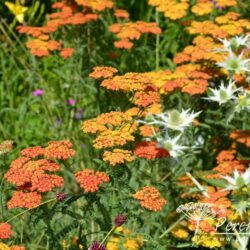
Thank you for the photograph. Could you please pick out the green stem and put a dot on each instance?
(25, 211)
(200, 187)
(157, 48)
(172, 226)
(108, 234)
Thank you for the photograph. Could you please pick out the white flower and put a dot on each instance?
(173, 119)
(239, 41)
(171, 145)
(238, 180)
(224, 93)
(234, 43)
(235, 64)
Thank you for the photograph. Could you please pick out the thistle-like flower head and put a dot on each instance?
(172, 145)
(234, 43)
(235, 64)
(224, 93)
(173, 119)
(237, 181)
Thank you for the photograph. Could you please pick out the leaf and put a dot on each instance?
(214, 182)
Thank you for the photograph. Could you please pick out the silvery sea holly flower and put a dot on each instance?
(238, 180)
(235, 64)
(173, 119)
(241, 207)
(234, 43)
(224, 93)
(171, 145)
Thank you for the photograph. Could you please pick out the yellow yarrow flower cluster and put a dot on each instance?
(202, 8)
(180, 232)
(6, 247)
(114, 130)
(171, 8)
(124, 237)
(226, 3)
(3, 246)
(118, 156)
(209, 240)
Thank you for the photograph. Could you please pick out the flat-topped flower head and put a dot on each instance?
(235, 64)
(5, 230)
(224, 93)
(90, 181)
(150, 198)
(171, 145)
(237, 181)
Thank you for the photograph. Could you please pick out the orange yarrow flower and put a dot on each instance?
(111, 138)
(32, 152)
(90, 181)
(149, 198)
(118, 156)
(59, 150)
(5, 230)
(150, 151)
(143, 99)
(241, 136)
(24, 200)
(98, 5)
(66, 52)
(103, 72)
(17, 248)
(123, 44)
(132, 31)
(31, 175)
(120, 13)
(147, 130)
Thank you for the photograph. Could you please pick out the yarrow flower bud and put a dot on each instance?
(61, 196)
(97, 246)
(120, 219)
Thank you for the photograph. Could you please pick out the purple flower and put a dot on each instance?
(71, 102)
(79, 114)
(120, 219)
(37, 92)
(216, 5)
(97, 246)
